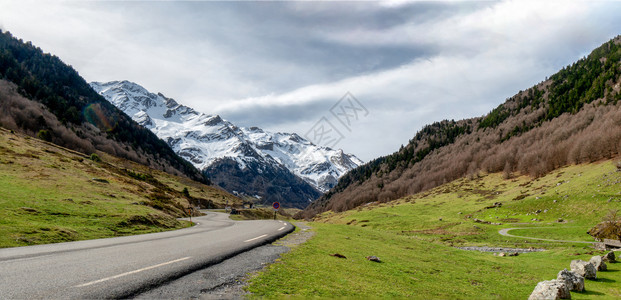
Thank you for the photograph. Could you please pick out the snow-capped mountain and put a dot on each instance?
(206, 140)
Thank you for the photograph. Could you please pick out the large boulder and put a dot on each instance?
(584, 269)
(574, 281)
(609, 257)
(550, 290)
(598, 263)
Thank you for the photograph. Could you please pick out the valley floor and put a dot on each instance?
(416, 239)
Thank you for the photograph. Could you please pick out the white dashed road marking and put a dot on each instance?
(132, 272)
(250, 240)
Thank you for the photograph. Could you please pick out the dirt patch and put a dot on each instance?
(501, 249)
(30, 210)
(510, 220)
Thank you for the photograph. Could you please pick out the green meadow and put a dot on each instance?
(416, 238)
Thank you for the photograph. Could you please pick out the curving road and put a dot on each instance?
(505, 232)
(124, 266)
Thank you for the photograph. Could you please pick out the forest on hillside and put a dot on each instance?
(45, 98)
(572, 117)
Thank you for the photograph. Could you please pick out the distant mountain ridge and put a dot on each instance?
(225, 151)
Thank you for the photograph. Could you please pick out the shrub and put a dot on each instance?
(95, 158)
(142, 177)
(44, 135)
(610, 228)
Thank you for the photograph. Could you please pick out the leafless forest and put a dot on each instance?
(573, 117)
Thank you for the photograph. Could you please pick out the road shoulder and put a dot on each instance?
(227, 279)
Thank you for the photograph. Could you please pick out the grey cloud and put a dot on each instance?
(275, 116)
(281, 45)
(282, 65)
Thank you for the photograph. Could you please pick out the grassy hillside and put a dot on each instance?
(52, 194)
(415, 237)
(573, 117)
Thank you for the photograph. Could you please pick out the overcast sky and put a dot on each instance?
(284, 66)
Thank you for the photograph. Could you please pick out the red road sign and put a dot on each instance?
(276, 205)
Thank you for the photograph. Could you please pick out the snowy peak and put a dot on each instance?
(135, 101)
(319, 166)
(204, 139)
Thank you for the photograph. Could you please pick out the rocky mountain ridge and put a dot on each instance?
(210, 143)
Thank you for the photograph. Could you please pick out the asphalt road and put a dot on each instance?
(126, 266)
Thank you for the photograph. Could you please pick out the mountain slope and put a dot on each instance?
(53, 194)
(42, 96)
(245, 160)
(573, 117)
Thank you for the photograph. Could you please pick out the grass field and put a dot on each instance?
(50, 194)
(415, 237)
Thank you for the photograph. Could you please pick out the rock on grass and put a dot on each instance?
(584, 269)
(551, 289)
(598, 263)
(574, 281)
(609, 257)
(373, 258)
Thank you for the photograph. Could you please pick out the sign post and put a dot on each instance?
(190, 209)
(276, 206)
